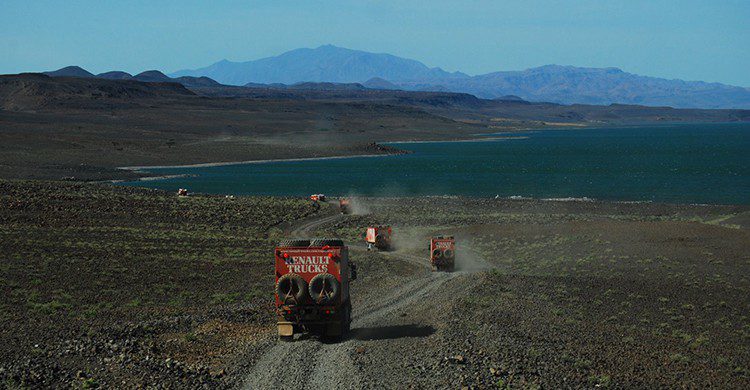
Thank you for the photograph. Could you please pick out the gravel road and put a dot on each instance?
(310, 363)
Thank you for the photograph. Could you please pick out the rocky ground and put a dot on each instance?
(122, 287)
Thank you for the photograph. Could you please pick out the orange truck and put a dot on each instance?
(378, 237)
(344, 206)
(443, 253)
(318, 197)
(312, 288)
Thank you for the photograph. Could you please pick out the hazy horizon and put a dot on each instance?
(673, 40)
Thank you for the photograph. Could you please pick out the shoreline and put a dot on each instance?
(144, 168)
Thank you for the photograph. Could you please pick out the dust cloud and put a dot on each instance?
(358, 206)
(410, 240)
(468, 260)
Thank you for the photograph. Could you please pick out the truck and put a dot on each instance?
(344, 206)
(318, 197)
(378, 237)
(443, 253)
(312, 288)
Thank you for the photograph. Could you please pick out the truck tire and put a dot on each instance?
(326, 241)
(324, 289)
(448, 254)
(293, 243)
(291, 288)
(437, 254)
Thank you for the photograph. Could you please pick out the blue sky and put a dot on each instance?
(692, 40)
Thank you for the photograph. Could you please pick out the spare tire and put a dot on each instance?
(326, 241)
(293, 243)
(324, 289)
(448, 254)
(291, 288)
(437, 254)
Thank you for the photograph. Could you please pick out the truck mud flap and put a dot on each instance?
(286, 329)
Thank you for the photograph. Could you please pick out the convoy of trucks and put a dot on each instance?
(313, 277)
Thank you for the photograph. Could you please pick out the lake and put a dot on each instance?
(686, 163)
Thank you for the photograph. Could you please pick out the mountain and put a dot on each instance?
(189, 81)
(115, 75)
(323, 64)
(152, 76)
(602, 86)
(550, 83)
(70, 71)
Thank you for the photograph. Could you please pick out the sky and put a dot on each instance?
(690, 40)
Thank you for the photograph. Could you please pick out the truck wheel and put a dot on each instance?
(326, 241)
(291, 287)
(324, 289)
(293, 243)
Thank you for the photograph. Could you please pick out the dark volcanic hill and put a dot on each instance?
(35, 90)
(151, 76)
(115, 75)
(551, 83)
(70, 71)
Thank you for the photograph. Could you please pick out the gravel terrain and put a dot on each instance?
(124, 287)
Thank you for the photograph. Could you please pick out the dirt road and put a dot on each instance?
(310, 363)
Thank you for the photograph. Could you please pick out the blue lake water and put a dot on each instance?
(686, 163)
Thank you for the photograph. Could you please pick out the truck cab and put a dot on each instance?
(312, 288)
(443, 253)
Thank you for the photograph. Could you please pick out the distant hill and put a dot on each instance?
(552, 83)
(35, 90)
(70, 71)
(323, 64)
(378, 83)
(115, 75)
(152, 76)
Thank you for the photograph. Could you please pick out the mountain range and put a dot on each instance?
(551, 83)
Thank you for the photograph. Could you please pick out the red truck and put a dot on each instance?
(378, 237)
(312, 288)
(344, 206)
(318, 197)
(443, 253)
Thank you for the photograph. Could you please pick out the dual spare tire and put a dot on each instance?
(324, 288)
